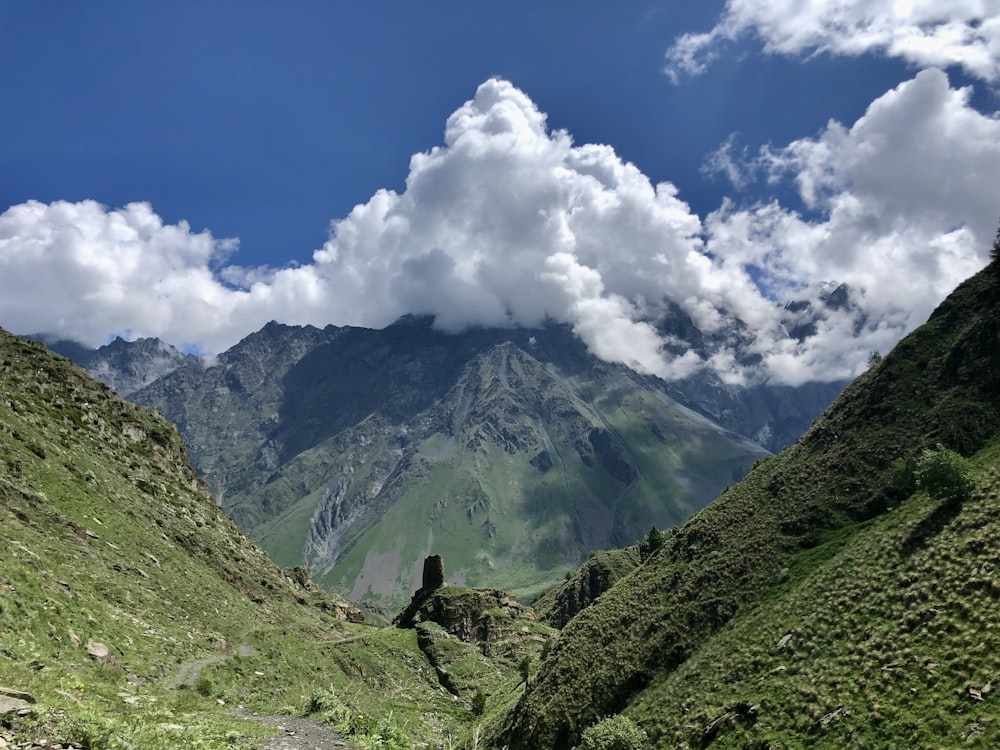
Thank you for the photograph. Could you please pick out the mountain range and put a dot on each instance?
(515, 453)
(844, 594)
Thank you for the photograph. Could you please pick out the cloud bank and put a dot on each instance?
(925, 33)
(510, 223)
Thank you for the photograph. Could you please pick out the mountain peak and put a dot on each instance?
(416, 321)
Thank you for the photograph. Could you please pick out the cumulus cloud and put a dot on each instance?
(510, 223)
(907, 209)
(926, 33)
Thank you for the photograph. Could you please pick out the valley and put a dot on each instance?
(515, 453)
(841, 595)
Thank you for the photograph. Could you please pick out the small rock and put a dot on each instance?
(74, 637)
(10, 705)
(784, 641)
(25, 549)
(98, 650)
(17, 694)
(831, 717)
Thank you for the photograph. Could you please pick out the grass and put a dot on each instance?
(107, 536)
(881, 643)
(750, 552)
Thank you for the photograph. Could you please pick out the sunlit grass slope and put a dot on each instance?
(814, 543)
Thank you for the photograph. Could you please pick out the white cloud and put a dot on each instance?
(907, 209)
(509, 223)
(925, 33)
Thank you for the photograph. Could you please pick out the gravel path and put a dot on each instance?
(299, 734)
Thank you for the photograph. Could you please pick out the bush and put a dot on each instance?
(547, 648)
(326, 706)
(653, 541)
(944, 475)
(614, 733)
(479, 703)
(204, 686)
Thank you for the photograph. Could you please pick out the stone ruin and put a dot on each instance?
(433, 577)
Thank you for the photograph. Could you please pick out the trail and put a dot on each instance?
(189, 673)
(296, 733)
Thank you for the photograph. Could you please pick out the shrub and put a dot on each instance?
(547, 649)
(325, 705)
(653, 541)
(524, 669)
(944, 475)
(204, 686)
(614, 733)
(479, 703)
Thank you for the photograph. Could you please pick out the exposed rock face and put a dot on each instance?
(433, 577)
(593, 578)
(124, 366)
(472, 615)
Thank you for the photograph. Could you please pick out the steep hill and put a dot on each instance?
(135, 614)
(514, 453)
(820, 601)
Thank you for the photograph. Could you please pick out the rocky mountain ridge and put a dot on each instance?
(515, 445)
(509, 449)
(124, 366)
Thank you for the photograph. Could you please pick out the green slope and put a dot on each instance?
(884, 636)
(739, 557)
(108, 537)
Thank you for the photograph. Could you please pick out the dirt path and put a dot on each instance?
(295, 733)
(189, 673)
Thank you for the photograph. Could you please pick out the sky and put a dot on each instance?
(193, 170)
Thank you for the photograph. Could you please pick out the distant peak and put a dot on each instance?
(421, 321)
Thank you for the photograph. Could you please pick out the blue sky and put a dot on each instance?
(263, 126)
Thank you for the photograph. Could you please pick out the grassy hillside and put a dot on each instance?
(764, 538)
(585, 585)
(136, 615)
(885, 635)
